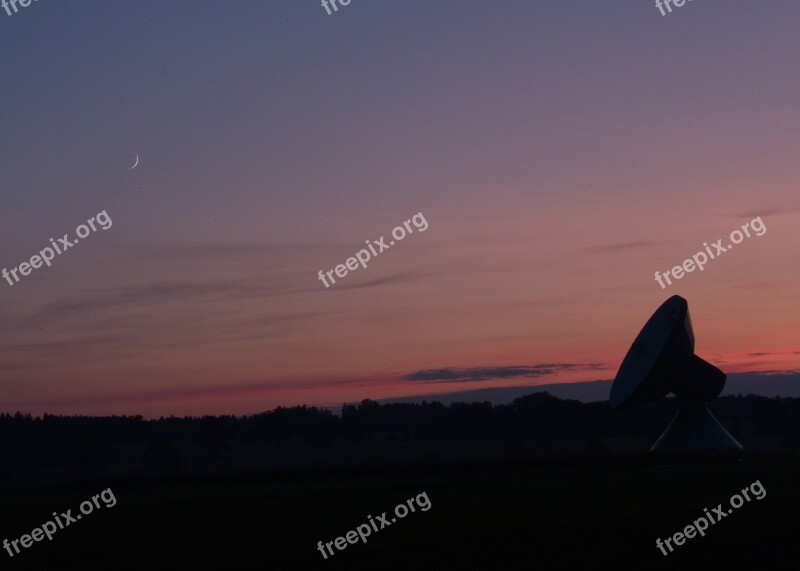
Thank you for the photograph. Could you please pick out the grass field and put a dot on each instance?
(585, 513)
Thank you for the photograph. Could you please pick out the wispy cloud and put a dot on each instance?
(767, 353)
(614, 248)
(458, 375)
(777, 372)
(768, 212)
(211, 252)
(145, 294)
(151, 295)
(387, 280)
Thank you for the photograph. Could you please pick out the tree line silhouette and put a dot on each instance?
(81, 446)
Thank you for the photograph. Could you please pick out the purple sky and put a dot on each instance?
(560, 152)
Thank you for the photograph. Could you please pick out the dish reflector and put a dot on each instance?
(661, 360)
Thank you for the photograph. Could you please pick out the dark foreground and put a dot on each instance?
(587, 513)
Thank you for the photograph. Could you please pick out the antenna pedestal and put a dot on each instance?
(695, 428)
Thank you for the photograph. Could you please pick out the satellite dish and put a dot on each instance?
(662, 361)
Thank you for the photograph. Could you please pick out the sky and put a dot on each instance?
(560, 154)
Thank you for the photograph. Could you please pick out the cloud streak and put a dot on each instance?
(614, 248)
(768, 212)
(466, 375)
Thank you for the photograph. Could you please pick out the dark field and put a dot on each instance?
(586, 513)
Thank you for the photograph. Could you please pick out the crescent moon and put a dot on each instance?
(136, 163)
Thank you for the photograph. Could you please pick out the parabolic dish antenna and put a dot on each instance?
(662, 361)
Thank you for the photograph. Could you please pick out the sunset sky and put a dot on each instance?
(561, 153)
